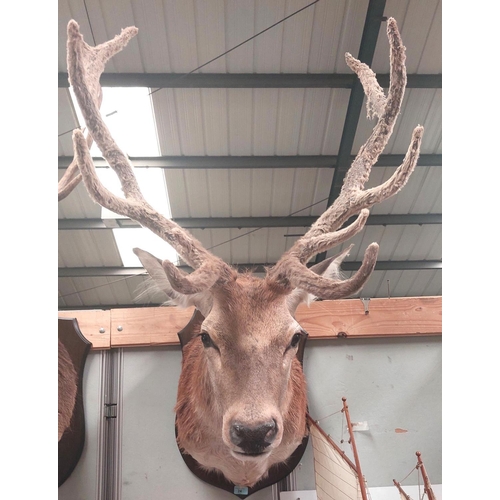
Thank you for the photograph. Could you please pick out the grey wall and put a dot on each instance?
(393, 385)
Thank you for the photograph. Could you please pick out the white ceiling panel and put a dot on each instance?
(240, 122)
(289, 121)
(217, 184)
(421, 195)
(297, 34)
(326, 33)
(88, 248)
(210, 34)
(351, 30)
(420, 26)
(426, 283)
(265, 115)
(189, 121)
(239, 26)
(240, 107)
(78, 205)
(150, 14)
(197, 195)
(337, 109)
(167, 127)
(177, 192)
(240, 192)
(268, 46)
(314, 117)
(315, 40)
(387, 284)
(86, 292)
(215, 121)
(262, 192)
(248, 192)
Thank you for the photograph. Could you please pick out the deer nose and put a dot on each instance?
(253, 440)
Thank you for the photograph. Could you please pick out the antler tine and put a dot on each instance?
(72, 176)
(291, 271)
(68, 181)
(85, 66)
(386, 109)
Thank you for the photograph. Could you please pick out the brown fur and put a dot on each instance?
(252, 378)
(68, 382)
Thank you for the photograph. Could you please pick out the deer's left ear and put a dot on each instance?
(329, 268)
(159, 281)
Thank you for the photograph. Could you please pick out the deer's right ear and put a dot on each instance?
(202, 301)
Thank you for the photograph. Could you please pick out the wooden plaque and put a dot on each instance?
(72, 441)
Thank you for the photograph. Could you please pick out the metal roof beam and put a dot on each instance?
(248, 80)
(85, 272)
(247, 222)
(235, 162)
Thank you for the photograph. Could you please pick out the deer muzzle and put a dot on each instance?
(253, 440)
(252, 433)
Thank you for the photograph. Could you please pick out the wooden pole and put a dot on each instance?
(361, 479)
(427, 483)
(398, 486)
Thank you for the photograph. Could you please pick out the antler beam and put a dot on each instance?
(85, 66)
(353, 199)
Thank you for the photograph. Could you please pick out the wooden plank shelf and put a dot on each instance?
(328, 319)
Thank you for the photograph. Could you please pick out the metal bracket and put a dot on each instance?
(241, 490)
(110, 410)
(366, 303)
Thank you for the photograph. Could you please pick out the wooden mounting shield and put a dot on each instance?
(277, 472)
(72, 441)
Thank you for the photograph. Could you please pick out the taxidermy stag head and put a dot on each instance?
(241, 403)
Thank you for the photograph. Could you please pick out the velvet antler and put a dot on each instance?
(291, 270)
(85, 66)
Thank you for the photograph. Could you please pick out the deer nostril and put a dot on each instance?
(253, 439)
(272, 429)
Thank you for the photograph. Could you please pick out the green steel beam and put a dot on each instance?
(235, 162)
(247, 222)
(248, 80)
(86, 272)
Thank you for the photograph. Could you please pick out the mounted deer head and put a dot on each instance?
(241, 403)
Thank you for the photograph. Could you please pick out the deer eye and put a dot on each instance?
(207, 341)
(295, 340)
(205, 338)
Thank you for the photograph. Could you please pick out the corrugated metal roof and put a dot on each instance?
(178, 36)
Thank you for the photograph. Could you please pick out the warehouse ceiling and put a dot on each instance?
(257, 117)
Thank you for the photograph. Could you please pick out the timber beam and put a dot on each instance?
(328, 319)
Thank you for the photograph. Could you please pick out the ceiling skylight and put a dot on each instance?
(128, 113)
